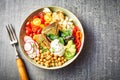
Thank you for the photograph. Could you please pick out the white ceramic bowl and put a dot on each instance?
(53, 8)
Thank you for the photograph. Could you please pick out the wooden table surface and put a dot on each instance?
(100, 57)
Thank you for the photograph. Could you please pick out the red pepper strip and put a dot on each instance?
(75, 41)
(78, 33)
(76, 28)
(78, 46)
(74, 33)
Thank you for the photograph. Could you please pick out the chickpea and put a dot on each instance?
(62, 62)
(56, 64)
(49, 61)
(52, 61)
(62, 58)
(55, 57)
(56, 61)
(44, 60)
(48, 57)
(52, 58)
(65, 60)
(42, 56)
(48, 53)
(59, 64)
(52, 55)
(38, 62)
(41, 60)
(47, 65)
(37, 58)
(59, 59)
(38, 55)
(52, 64)
(42, 63)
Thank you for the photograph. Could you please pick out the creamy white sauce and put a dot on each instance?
(57, 48)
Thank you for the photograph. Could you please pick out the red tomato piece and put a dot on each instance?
(28, 24)
(39, 31)
(35, 16)
(34, 34)
(29, 29)
(73, 33)
(28, 32)
(46, 24)
(42, 20)
(75, 29)
(34, 29)
(41, 15)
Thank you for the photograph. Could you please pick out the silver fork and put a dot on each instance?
(19, 62)
(12, 37)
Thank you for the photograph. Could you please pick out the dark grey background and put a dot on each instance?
(100, 57)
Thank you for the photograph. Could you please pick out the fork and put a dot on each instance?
(19, 62)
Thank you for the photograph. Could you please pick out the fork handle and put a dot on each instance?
(21, 69)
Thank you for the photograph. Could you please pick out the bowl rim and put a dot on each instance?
(68, 62)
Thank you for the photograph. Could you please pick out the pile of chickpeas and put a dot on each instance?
(49, 59)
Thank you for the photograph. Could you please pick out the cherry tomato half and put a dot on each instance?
(29, 29)
(28, 32)
(42, 20)
(28, 24)
(41, 15)
(35, 16)
(36, 22)
(39, 31)
(78, 46)
(34, 29)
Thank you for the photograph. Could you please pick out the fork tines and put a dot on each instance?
(11, 33)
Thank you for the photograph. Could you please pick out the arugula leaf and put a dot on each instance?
(61, 40)
(52, 36)
(65, 33)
